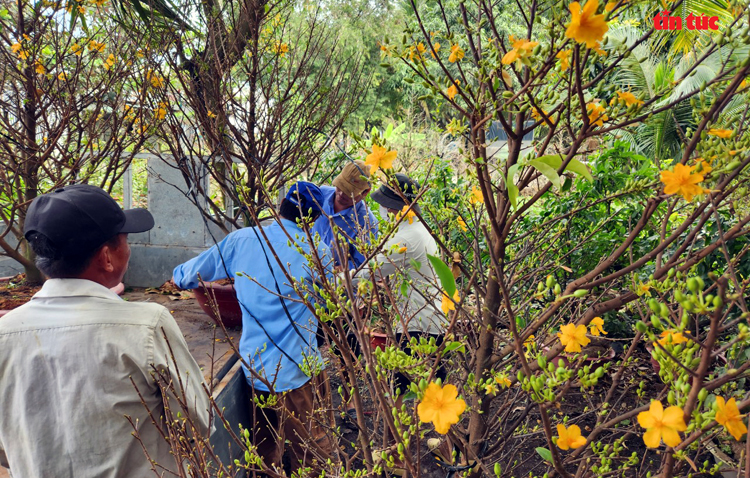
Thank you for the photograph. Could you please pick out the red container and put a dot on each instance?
(378, 340)
(226, 302)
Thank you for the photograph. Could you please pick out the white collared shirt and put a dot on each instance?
(66, 363)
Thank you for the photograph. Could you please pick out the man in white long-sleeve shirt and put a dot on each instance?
(68, 356)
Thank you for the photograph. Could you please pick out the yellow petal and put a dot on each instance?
(670, 436)
(736, 428)
(652, 438)
(656, 410)
(646, 420)
(674, 417)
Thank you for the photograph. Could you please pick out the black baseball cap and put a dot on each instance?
(389, 198)
(80, 218)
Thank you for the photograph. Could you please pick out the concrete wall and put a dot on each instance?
(180, 232)
(9, 267)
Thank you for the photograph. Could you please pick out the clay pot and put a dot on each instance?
(226, 301)
(378, 340)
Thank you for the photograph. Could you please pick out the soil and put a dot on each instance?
(14, 292)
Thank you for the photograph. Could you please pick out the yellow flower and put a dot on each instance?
(729, 416)
(721, 133)
(39, 68)
(76, 49)
(62, 76)
(161, 111)
(643, 289)
(456, 53)
(476, 196)
(503, 380)
(661, 425)
(462, 224)
(564, 57)
(154, 78)
(402, 250)
(596, 113)
(452, 90)
(585, 25)
(448, 304)
(672, 337)
(530, 341)
(81, 10)
(569, 438)
(538, 116)
(704, 166)
(596, 326)
(490, 389)
(109, 62)
(522, 49)
(211, 114)
(435, 47)
(627, 97)
(380, 158)
(682, 181)
(19, 51)
(441, 406)
(573, 336)
(610, 6)
(100, 3)
(96, 46)
(281, 49)
(408, 213)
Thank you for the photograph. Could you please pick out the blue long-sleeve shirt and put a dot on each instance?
(269, 342)
(356, 222)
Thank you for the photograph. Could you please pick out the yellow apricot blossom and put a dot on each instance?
(380, 158)
(721, 133)
(503, 380)
(476, 196)
(436, 48)
(661, 425)
(456, 53)
(682, 181)
(729, 416)
(585, 25)
(441, 406)
(96, 46)
(704, 166)
(39, 68)
(490, 389)
(76, 49)
(521, 50)
(462, 224)
(452, 90)
(626, 97)
(448, 304)
(408, 213)
(569, 438)
(671, 337)
(109, 62)
(596, 113)
(564, 57)
(573, 336)
(596, 326)
(281, 49)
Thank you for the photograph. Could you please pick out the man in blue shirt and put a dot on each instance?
(344, 206)
(278, 343)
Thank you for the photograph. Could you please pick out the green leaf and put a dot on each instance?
(545, 454)
(552, 160)
(580, 169)
(405, 289)
(548, 171)
(415, 264)
(444, 274)
(574, 166)
(455, 346)
(511, 185)
(388, 131)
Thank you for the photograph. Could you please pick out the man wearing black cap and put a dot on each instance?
(68, 356)
(278, 343)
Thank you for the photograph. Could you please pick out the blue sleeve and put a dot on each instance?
(373, 224)
(209, 264)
